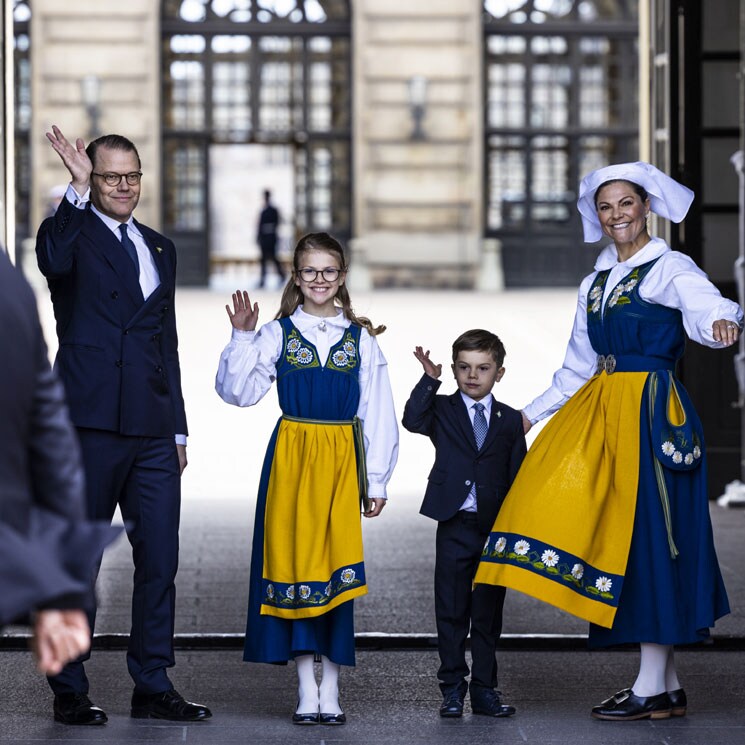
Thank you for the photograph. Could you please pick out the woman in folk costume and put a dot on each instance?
(338, 417)
(608, 517)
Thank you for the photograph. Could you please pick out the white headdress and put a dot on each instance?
(667, 197)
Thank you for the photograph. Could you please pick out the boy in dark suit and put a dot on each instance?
(479, 446)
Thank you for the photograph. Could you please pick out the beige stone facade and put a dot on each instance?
(118, 43)
(421, 200)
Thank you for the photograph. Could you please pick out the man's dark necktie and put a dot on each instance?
(129, 247)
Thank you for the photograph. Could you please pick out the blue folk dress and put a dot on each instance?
(306, 561)
(591, 523)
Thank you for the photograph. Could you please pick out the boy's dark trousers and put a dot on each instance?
(460, 542)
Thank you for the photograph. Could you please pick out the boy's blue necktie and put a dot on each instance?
(480, 427)
(129, 247)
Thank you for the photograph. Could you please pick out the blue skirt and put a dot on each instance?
(277, 640)
(666, 600)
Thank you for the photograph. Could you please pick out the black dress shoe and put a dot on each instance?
(76, 708)
(452, 705)
(333, 718)
(679, 702)
(626, 706)
(167, 705)
(489, 703)
(306, 718)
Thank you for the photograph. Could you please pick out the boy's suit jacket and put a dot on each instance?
(445, 420)
(118, 353)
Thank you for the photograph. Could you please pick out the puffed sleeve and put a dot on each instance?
(380, 426)
(578, 367)
(680, 284)
(247, 365)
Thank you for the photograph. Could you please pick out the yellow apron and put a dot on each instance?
(564, 531)
(313, 558)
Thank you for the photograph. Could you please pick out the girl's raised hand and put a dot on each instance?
(434, 371)
(244, 317)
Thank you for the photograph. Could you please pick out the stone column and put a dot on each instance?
(418, 202)
(118, 43)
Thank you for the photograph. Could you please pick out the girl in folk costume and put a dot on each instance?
(333, 449)
(608, 517)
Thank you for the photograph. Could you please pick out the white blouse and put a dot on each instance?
(247, 370)
(674, 281)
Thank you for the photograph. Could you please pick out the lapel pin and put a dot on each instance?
(159, 249)
(499, 413)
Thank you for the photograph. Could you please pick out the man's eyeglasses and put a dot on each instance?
(114, 179)
(330, 274)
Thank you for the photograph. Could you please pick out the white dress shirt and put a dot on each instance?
(469, 505)
(674, 281)
(247, 370)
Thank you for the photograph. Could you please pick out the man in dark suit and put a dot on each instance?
(112, 282)
(479, 446)
(48, 551)
(267, 237)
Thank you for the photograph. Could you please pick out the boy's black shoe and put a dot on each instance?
(167, 705)
(489, 703)
(452, 704)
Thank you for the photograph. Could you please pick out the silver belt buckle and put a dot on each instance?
(607, 363)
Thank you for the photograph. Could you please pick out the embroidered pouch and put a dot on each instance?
(677, 445)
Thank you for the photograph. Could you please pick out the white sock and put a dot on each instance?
(307, 688)
(329, 689)
(652, 668)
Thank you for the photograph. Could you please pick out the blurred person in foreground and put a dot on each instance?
(608, 517)
(48, 551)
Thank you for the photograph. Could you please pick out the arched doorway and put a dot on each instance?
(561, 89)
(256, 94)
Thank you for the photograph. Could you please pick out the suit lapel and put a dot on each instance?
(156, 251)
(495, 422)
(113, 253)
(462, 418)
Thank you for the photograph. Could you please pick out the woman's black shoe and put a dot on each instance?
(679, 702)
(626, 706)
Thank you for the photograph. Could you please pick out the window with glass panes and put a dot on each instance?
(561, 80)
(257, 71)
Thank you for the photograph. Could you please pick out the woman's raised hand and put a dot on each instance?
(243, 317)
(434, 371)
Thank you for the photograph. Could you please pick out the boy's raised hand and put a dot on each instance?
(434, 371)
(244, 317)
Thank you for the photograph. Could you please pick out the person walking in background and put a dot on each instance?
(267, 236)
(333, 449)
(112, 282)
(609, 515)
(48, 550)
(479, 446)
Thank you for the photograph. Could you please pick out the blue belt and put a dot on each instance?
(611, 363)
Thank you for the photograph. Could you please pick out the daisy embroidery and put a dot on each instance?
(697, 452)
(304, 356)
(603, 584)
(290, 592)
(668, 448)
(522, 547)
(550, 558)
(500, 545)
(270, 592)
(347, 576)
(293, 345)
(349, 348)
(578, 571)
(677, 457)
(304, 592)
(340, 359)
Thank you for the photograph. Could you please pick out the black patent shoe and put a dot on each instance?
(679, 702)
(489, 703)
(627, 706)
(167, 705)
(452, 705)
(309, 718)
(77, 708)
(333, 718)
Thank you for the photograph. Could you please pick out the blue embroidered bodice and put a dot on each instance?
(630, 328)
(310, 390)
